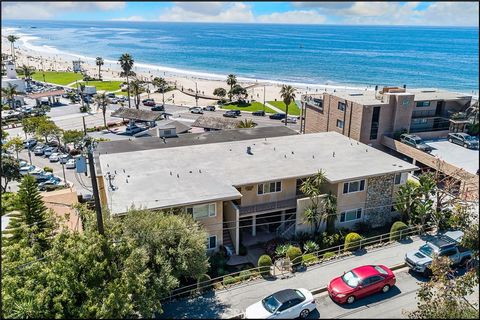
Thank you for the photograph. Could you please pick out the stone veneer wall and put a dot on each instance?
(379, 198)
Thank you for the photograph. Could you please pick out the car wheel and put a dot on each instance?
(385, 288)
(465, 145)
(350, 299)
(304, 314)
(427, 272)
(450, 140)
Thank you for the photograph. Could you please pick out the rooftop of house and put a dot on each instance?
(185, 175)
(215, 123)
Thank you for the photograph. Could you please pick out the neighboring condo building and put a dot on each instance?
(368, 115)
(246, 188)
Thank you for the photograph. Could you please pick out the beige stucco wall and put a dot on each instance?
(214, 225)
(62, 202)
(301, 224)
(250, 196)
(231, 217)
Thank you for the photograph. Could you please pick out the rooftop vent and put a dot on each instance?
(356, 94)
(249, 150)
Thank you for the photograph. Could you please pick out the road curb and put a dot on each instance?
(323, 289)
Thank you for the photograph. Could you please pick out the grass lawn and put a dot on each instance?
(103, 85)
(62, 78)
(121, 93)
(293, 109)
(254, 106)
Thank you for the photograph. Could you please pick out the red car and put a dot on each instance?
(361, 282)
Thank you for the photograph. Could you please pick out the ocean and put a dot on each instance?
(360, 56)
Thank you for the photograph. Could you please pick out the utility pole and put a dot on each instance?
(196, 95)
(84, 127)
(98, 208)
(263, 98)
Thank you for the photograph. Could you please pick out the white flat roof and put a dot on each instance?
(466, 159)
(209, 172)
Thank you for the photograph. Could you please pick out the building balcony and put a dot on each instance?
(268, 206)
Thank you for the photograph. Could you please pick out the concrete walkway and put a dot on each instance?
(233, 301)
(273, 107)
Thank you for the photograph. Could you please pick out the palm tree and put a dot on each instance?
(231, 81)
(27, 72)
(330, 206)
(136, 89)
(126, 62)
(472, 113)
(101, 100)
(99, 63)
(12, 38)
(247, 123)
(312, 189)
(288, 95)
(162, 85)
(406, 199)
(9, 92)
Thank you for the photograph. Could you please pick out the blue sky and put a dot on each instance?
(382, 13)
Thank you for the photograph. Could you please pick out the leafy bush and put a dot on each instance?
(217, 263)
(9, 202)
(243, 250)
(302, 238)
(352, 241)
(245, 275)
(227, 280)
(74, 152)
(264, 264)
(310, 246)
(282, 249)
(309, 259)
(329, 241)
(47, 169)
(397, 134)
(294, 254)
(328, 255)
(203, 282)
(271, 245)
(5, 107)
(395, 230)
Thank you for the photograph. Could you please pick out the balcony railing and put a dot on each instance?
(268, 206)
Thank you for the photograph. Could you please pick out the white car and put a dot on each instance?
(284, 304)
(70, 164)
(54, 157)
(24, 170)
(290, 120)
(196, 110)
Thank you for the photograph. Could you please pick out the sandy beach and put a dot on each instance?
(52, 59)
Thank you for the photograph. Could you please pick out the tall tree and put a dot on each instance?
(99, 62)
(238, 92)
(10, 91)
(406, 198)
(126, 63)
(231, 81)
(136, 89)
(27, 72)
(29, 125)
(72, 136)
(220, 92)
(9, 171)
(288, 95)
(101, 100)
(12, 38)
(15, 144)
(162, 86)
(48, 128)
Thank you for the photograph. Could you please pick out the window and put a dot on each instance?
(423, 104)
(372, 280)
(351, 215)
(375, 123)
(398, 178)
(269, 187)
(203, 211)
(341, 106)
(354, 186)
(211, 242)
(448, 252)
(167, 132)
(339, 124)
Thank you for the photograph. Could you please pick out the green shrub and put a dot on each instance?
(5, 107)
(264, 264)
(352, 241)
(203, 282)
(310, 246)
(245, 275)
(227, 280)
(329, 241)
(221, 271)
(281, 250)
(294, 254)
(309, 258)
(9, 202)
(47, 169)
(243, 250)
(328, 255)
(395, 230)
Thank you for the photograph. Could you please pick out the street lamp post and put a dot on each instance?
(263, 98)
(196, 95)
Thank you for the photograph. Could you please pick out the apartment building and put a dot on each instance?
(246, 189)
(368, 115)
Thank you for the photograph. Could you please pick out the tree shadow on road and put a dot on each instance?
(206, 306)
(374, 298)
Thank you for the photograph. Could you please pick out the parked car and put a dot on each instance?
(114, 100)
(149, 103)
(259, 113)
(290, 120)
(70, 164)
(52, 182)
(110, 95)
(147, 100)
(54, 157)
(415, 141)
(64, 158)
(197, 110)
(30, 143)
(230, 114)
(361, 282)
(277, 116)
(209, 108)
(447, 244)
(158, 108)
(122, 98)
(39, 150)
(48, 151)
(24, 170)
(132, 129)
(40, 175)
(463, 139)
(284, 304)
(237, 112)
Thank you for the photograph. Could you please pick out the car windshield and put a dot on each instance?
(426, 250)
(380, 269)
(418, 141)
(468, 138)
(350, 279)
(271, 304)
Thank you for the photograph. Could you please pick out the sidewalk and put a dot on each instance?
(273, 107)
(230, 302)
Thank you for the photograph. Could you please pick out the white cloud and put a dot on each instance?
(187, 12)
(47, 10)
(327, 5)
(293, 17)
(131, 18)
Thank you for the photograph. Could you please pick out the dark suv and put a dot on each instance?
(258, 113)
(278, 116)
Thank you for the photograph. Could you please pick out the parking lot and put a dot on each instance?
(455, 154)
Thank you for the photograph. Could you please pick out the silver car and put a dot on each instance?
(463, 139)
